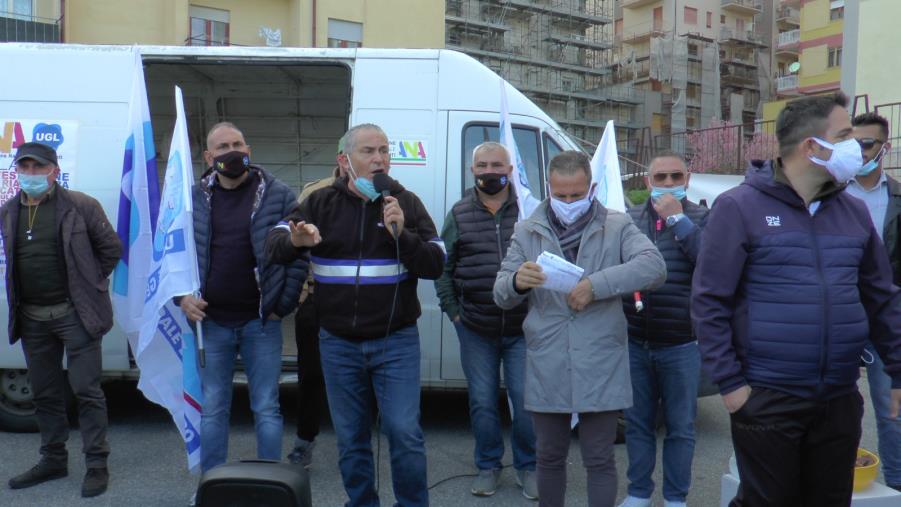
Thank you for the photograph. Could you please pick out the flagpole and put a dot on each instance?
(201, 351)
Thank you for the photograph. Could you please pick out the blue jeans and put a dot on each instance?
(260, 344)
(389, 368)
(669, 375)
(888, 429)
(481, 358)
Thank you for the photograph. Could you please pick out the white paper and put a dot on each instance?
(562, 275)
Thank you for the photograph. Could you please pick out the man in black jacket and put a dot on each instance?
(368, 251)
(60, 248)
(476, 233)
(244, 297)
(882, 195)
(663, 354)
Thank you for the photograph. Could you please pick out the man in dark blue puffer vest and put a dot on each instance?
(476, 233)
(664, 361)
(791, 282)
(243, 297)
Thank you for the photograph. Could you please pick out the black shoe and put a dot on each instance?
(95, 482)
(42, 472)
(895, 486)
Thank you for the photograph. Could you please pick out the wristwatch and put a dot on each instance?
(672, 219)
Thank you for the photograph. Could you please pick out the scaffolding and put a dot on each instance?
(557, 52)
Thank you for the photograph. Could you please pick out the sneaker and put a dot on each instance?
(302, 454)
(526, 480)
(632, 501)
(485, 484)
(667, 503)
(42, 472)
(95, 482)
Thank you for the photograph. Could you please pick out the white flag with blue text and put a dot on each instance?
(139, 202)
(524, 198)
(165, 351)
(606, 173)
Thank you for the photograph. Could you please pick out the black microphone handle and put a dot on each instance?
(386, 193)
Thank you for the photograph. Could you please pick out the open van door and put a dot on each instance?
(465, 131)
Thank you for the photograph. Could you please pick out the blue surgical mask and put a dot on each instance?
(33, 185)
(569, 212)
(872, 164)
(678, 192)
(364, 186)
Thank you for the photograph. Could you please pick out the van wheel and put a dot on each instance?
(16, 405)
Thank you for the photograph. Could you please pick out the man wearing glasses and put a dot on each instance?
(882, 195)
(663, 353)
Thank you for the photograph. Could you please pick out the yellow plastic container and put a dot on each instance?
(864, 476)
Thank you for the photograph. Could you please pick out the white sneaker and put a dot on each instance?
(631, 501)
(667, 503)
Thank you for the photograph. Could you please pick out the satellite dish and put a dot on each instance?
(794, 67)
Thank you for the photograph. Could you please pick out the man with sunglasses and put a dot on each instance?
(882, 195)
(663, 353)
(792, 282)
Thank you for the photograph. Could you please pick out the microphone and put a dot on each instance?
(382, 183)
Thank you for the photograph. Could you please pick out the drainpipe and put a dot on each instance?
(314, 23)
(62, 20)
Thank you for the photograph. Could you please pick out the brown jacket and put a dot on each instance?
(90, 250)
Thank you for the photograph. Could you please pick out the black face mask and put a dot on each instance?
(491, 183)
(232, 164)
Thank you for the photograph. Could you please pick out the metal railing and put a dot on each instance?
(788, 38)
(785, 83)
(21, 28)
(723, 148)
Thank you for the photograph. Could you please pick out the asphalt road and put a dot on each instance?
(147, 463)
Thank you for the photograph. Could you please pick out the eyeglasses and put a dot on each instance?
(868, 142)
(677, 177)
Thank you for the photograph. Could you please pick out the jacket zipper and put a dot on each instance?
(824, 336)
(500, 259)
(359, 265)
(257, 272)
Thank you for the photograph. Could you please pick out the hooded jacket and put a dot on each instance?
(579, 361)
(279, 284)
(358, 266)
(786, 299)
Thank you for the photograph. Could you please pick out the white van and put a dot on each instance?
(292, 104)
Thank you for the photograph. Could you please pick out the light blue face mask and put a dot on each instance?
(364, 186)
(872, 164)
(33, 185)
(678, 192)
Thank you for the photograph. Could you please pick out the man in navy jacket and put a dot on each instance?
(791, 282)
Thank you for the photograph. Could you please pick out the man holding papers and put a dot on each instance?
(576, 353)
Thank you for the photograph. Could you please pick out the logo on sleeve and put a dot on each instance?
(774, 221)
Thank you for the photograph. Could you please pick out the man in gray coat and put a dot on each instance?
(576, 355)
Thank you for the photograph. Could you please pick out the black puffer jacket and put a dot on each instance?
(665, 319)
(279, 284)
(476, 242)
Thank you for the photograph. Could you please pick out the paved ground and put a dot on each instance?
(147, 463)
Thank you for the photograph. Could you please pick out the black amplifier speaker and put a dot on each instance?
(255, 484)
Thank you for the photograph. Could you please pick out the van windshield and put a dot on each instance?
(527, 142)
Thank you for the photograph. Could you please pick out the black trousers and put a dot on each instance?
(310, 383)
(44, 343)
(794, 452)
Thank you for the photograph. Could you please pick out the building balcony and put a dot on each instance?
(474, 26)
(518, 54)
(788, 43)
(565, 10)
(581, 41)
(788, 18)
(787, 85)
(735, 75)
(631, 4)
(728, 36)
(20, 28)
(742, 7)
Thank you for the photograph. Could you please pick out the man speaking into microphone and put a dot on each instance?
(369, 247)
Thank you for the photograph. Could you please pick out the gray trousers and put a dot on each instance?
(597, 433)
(44, 343)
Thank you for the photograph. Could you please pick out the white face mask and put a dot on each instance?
(845, 160)
(568, 213)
